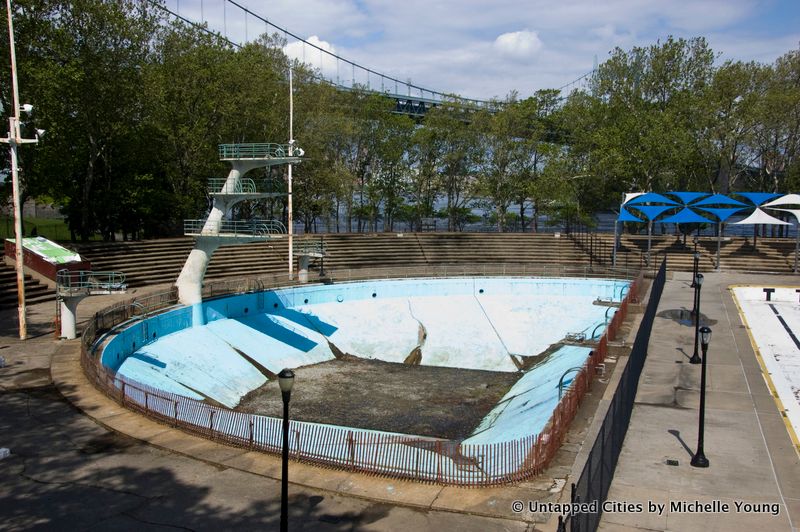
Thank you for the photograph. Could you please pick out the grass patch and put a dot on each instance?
(50, 228)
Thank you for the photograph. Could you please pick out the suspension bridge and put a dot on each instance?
(236, 24)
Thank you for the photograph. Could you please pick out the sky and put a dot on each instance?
(484, 49)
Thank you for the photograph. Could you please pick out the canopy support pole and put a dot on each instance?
(614, 249)
(796, 243)
(649, 236)
(719, 241)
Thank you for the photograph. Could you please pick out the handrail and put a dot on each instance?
(311, 247)
(138, 305)
(250, 228)
(267, 150)
(605, 323)
(244, 185)
(74, 282)
(561, 380)
(221, 185)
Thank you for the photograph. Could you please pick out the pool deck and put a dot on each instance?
(751, 455)
(99, 465)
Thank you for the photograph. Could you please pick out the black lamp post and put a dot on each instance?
(699, 459)
(695, 268)
(698, 284)
(285, 381)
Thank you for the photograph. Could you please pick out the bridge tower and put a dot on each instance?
(216, 230)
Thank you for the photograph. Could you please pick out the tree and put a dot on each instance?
(506, 156)
(459, 157)
(83, 82)
(649, 112)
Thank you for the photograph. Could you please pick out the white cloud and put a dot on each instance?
(315, 58)
(518, 44)
(476, 48)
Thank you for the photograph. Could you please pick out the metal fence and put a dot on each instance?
(416, 458)
(595, 480)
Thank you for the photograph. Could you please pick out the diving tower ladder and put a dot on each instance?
(216, 230)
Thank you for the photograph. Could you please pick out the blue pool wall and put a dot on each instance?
(276, 301)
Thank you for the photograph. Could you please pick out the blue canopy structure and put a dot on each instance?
(719, 199)
(699, 207)
(686, 216)
(625, 216)
(688, 197)
(653, 211)
(651, 197)
(757, 198)
(722, 213)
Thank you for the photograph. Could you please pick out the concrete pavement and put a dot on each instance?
(83, 471)
(752, 459)
(100, 466)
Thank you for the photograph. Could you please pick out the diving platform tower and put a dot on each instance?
(72, 286)
(216, 230)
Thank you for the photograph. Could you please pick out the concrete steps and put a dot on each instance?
(770, 255)
(160, 261)
(35, 292)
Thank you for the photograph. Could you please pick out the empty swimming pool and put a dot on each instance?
(225, 348)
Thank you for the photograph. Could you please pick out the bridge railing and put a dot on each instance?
(409, 457)
(255, 151)
(244, 228)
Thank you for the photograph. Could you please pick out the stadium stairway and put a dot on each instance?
(35, 292)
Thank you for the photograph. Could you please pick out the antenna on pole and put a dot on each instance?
(291, 153)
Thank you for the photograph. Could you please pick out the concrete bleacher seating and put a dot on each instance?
(160, 261)
(35, 292)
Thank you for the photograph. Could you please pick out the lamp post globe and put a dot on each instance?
(286, 380)
(705, 338)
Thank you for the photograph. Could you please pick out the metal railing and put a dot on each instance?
(312, 248)
(221, 185)
(590, 242)
(245, 185)
(267, 150)
(249, 228)
(595, 479)
(83, 282)
(417, 458)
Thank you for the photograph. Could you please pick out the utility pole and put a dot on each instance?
(13, 140)
(291, 153)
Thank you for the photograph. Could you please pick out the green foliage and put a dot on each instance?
(136, 106)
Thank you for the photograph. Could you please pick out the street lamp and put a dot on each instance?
(285, 381)
(699, 459)
(695, 268)
(698, 284)
(13, 140)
